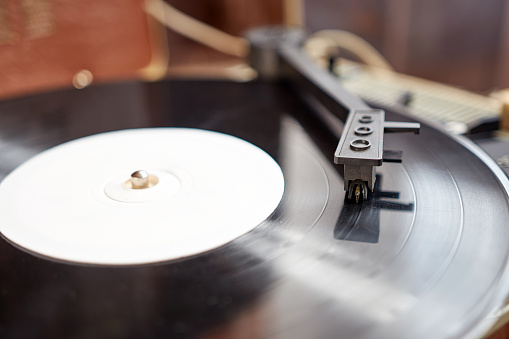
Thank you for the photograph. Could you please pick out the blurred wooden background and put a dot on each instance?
(460, 42)
(231, 16)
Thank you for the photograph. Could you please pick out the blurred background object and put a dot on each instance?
(459, 42)
(47, 44)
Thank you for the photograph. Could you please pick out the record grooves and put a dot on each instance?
(413, 261)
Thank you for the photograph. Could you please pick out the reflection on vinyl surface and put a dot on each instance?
(416, 260)
(361, 222)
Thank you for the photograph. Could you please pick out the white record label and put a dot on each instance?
(72, 202)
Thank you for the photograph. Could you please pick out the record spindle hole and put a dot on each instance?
(141, 180)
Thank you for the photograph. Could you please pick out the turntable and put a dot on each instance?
(219, 209)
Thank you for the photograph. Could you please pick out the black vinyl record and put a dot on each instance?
(425, 256)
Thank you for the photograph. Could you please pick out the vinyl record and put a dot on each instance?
(425, 256)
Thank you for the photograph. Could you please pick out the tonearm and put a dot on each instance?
(276, 53)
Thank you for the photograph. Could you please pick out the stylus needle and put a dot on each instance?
(357, 193)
